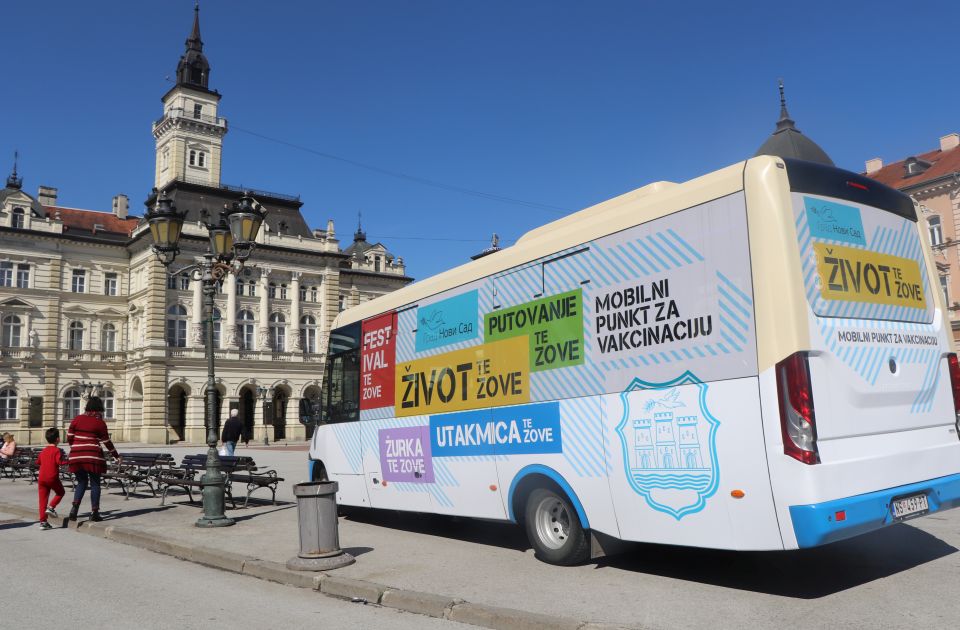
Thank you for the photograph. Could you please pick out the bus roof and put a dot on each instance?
(613, 215)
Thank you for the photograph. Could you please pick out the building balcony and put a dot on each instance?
(91, 356)
(263, 356)
(178, 113)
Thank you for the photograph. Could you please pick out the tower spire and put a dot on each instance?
(194, 42)
(360, 235)
(786, 141)
(14, 181)
(194, 69)
(785, 121)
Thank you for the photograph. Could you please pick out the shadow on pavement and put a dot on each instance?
(117, 514)
(357, 551)
(802, 574)
(246, 517)
(14, 524)
(490, 533)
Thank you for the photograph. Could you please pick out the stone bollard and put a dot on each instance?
(319, 536)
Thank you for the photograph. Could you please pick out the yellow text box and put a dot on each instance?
(857, 275)
(488, 375)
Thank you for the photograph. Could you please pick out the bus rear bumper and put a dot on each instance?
(830, 521)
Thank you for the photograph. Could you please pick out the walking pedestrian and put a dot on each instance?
(48, 476)
(232, 430)
(87, 431)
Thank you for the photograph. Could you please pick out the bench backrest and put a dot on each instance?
(228, 463)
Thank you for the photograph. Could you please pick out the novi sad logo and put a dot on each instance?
(669, 440)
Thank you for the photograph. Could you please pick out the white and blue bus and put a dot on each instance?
(755, 359)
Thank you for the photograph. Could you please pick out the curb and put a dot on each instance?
(362, 591)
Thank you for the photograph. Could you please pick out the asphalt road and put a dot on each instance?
(63, 579)
(906, 575)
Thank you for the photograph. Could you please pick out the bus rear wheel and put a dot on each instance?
(554, 529)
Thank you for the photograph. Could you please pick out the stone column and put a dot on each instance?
(196, 316)
(263, 333)
(229, 336)
(294, 334)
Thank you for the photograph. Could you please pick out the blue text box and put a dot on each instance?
(834, 221)
(447, 321)
(520, 430)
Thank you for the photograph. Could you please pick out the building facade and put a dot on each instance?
(932, 179)
(85, 307)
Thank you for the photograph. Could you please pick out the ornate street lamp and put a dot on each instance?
(166, 224)
(244, 219)
(231, 242)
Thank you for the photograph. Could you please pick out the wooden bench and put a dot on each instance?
(24, 463)
(139, 468)
(257, 479)
(188, 475)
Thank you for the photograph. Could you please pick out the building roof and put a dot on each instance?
(941, 164)
(93, 223)
(360, 246)
(204, 204)
(786, 141)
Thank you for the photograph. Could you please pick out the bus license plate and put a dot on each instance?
(906, 507)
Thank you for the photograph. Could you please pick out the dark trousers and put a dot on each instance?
(83, 479)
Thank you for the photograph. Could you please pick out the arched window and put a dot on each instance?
(109, 406)
(75, 336)
(272, 291)
(216, 327)
(108, 338)
(8, 404)
(177, 326)
(201, 159)
(245, 330)
(193, 157)
(308, 333)
(11, 329)
(71, 404)
(936, 230)
(16, 221)
(278, 332)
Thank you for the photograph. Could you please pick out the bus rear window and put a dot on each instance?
(828, 181)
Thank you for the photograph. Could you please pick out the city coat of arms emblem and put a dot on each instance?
(669, 440)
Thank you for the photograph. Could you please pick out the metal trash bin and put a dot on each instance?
(319, 536)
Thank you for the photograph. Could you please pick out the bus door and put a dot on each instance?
(337, 441)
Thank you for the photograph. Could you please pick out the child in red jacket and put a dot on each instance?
(48, 477)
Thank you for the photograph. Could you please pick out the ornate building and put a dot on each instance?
(932, 178)
(85, 306)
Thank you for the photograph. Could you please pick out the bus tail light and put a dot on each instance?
(797, 420)
(955, 386)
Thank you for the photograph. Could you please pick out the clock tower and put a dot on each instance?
(189, 136)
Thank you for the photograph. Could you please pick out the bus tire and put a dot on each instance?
(554, 529)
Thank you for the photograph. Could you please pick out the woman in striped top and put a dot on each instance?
(87, 431)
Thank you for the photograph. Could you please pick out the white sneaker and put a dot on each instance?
(45, 525)
(52, 512)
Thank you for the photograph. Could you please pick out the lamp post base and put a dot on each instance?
(222, 521)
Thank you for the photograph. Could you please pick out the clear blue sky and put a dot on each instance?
(563, 103)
